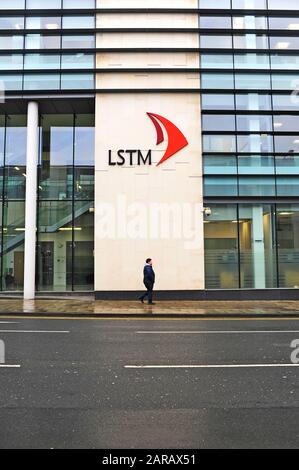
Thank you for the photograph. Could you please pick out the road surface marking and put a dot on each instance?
(32, 331)
(213, 332)
(159, 318)
(10, 366)
(10, 322)
(208, 366)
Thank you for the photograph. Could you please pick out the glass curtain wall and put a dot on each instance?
(12, 196)
(65, 203)
(252, 246)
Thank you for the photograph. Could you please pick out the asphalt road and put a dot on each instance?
(140, 384)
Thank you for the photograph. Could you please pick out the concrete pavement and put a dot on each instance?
(87, 306)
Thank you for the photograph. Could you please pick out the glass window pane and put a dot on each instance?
(79, 4)
(84, 156)
(15, 156)
(250, 4)
(286, 5)
(13, 245)
(251, 41)
(254, 123)
(42, 61)
(38, 41)
(2, 141)
(77, 81)
(11, 42)
(215, 42)
(216, 81)
(286, 143)
(77, 61)
(219, 143)
(11, 82)
(43, 22)
(78, 22)
(256, 164)
(83, 41)
(54, 260)
(288, 42)
(215, 22)
(45, 4)
(284, 23)
(214, 4)
(217, 61)
(255, 143)
(41, 82)
(288, 245)
(287, 164)
(286, 102)
(56, 173)
(11, 22)
(284, 62)
(285, 82)
(257, 246)
(84, 246)
(253, 81)
(224, 186)
(13, 5)
(221, 248)
(256, 186)
(252, 61)
(11, 62)
(221, 122)
(220, 164)
(217, 101)
(288, 186)
(253, 102)
(250, 22)
(284, 123)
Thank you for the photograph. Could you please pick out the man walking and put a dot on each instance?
(148, 281)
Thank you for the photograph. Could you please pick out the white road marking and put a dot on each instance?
(10, 322)
(207, 366)
(32, 331)
(10, 366)
(213, 332)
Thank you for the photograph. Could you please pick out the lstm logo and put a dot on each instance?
(176, 142)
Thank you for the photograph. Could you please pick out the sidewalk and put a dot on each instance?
(86, 306)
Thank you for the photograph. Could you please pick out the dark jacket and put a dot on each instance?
(148, 275)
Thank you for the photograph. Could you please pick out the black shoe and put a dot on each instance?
(152, 303)
(141, 300)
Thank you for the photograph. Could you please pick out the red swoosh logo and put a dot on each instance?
(176, 139)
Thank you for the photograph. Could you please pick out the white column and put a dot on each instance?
(258, 248)
(30, 204)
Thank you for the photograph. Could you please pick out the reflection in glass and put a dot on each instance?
(221, 248)
(15, 157)
(288, 245)
(258, 263)
(13, 245)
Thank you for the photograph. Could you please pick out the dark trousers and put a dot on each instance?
(149, 292)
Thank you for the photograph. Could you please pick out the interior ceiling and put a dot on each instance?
(50, 105)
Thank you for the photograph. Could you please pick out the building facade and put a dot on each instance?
(95, 93)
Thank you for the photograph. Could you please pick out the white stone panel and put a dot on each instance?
(147, 20)
(147, 80)
(120, 251)
(149, 59)
(147, 40)
(147, 3)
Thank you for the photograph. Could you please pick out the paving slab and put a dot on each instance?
(87, 306)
